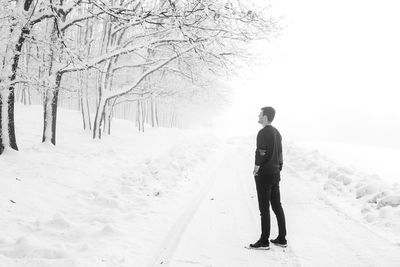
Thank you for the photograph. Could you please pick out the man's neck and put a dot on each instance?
(265, 124)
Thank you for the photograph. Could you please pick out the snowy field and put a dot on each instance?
(170, 197)
(381, 161)
(361, 181)
(94, 203)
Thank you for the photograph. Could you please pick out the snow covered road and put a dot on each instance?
(182, 198)
(224, 218)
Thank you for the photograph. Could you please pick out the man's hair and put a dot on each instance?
(269, 112)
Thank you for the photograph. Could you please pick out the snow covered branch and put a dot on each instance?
(115, 94)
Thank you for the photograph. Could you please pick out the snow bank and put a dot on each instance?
(94, 203)
(365, 196)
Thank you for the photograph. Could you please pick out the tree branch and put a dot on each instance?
(147, 73)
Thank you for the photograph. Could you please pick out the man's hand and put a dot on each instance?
(255, 171)
(262, 152)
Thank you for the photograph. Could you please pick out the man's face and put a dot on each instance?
(262, 118)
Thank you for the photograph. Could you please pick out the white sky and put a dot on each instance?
(333, 75)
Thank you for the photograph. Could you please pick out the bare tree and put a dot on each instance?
(15, 27)
(119, 50)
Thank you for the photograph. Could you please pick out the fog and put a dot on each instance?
(333, 74)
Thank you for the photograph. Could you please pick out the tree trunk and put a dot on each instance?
(84, 103)
(82, 107)
(156, 114)
(103, 81)
(140, 115)
(173, 117)
(88, 107)
(96, 123)
(110, 114)
(98, 119)
(105, 116)
(53, 87)
(145, 111)
(4, 140)
(154, 120)
(7, 99)
(50, 112)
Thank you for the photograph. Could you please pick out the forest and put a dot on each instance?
(129, 59)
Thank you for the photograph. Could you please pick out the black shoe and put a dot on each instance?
(279, 242)
(260, 244)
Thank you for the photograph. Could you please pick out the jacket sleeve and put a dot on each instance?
(280, 153)
(262, 152)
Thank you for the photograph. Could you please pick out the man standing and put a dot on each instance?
(268, 164)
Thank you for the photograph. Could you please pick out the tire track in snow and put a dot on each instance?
(168, 246)
(233, 206)
(285, 256)
(318, 232)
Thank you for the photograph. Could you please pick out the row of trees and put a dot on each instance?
(114, 52)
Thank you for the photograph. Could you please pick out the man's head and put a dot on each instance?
(266, 115)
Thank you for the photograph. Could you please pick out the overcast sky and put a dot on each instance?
(333, 75)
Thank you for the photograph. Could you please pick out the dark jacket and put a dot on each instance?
(269, 151)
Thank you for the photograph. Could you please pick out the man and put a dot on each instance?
(268, 164)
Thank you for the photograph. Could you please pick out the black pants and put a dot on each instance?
(268, 191)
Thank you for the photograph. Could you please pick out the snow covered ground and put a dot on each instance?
(363, 181)
(319, 232)
(94, 203)
(173, 197)
(381, 161)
